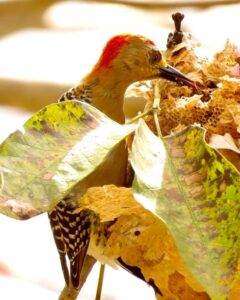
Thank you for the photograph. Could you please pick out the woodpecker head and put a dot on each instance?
(132, 58)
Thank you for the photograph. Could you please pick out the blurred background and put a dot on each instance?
(45, 48)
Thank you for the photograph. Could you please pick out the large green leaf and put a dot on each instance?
(197, 193)
(55, 149)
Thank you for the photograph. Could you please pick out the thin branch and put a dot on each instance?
(139, 116)
(100, 282)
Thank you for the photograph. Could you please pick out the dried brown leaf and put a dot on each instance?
(223, 62)
(142, 89)
(223, 142)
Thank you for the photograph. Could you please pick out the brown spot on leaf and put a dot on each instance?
(47, 176)
(46, 128)
(196, 177)
(28, 214)
(90, 121)
(20, 209)
(223, 216)
(189, 170)
(179, 287)
(205, 219)
(178, 153)
(219, 252)
(173, 194)
(196, 190)
(213, 235)
(207, 204)
(222, 186)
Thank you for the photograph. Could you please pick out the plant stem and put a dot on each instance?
(155, 107)
(134, 119)
(153, 110)
(100, 282)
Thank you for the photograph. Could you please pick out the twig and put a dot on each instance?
(139, 116)
(100, 282)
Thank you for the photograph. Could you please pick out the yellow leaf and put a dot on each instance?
(141, 240)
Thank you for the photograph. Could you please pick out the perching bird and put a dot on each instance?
(124, 60)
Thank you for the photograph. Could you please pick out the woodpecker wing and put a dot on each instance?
(59, 241)
(71, 232)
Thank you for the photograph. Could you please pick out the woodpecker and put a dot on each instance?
(125, 59)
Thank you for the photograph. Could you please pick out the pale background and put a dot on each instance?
(45, 48)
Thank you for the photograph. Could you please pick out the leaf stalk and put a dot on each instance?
(140, 116)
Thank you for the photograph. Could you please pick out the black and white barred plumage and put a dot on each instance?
(83, 94)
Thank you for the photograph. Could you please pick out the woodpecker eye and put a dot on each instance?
(155, 57)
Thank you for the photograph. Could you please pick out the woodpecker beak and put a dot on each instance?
(173, 74)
